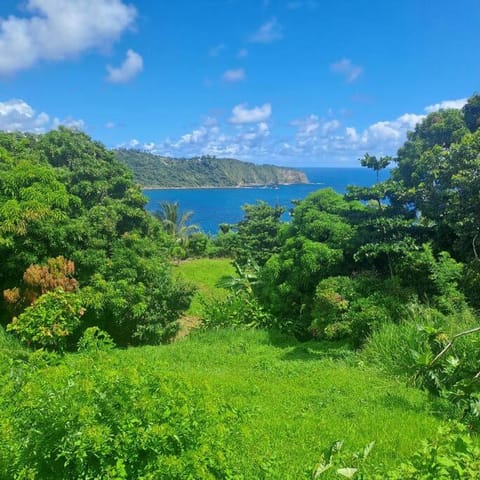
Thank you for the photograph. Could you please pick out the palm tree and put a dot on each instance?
(175, 223)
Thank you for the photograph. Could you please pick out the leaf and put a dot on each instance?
(368, 449)
(347, 472)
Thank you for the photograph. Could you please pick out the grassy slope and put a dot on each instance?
(205, 273)
(296, 399)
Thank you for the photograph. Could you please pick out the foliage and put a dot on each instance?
(159, 172)
(64, 196)
(106, 417)
(224, 393)
(411, 348)
(176, 224)
(136, 299)
(453, 455)
(238, 309)
(50, 321)
(94, 339)
(257, 233)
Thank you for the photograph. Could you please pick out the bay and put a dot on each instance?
(213, 206)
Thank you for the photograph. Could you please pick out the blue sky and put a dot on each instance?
(294, 82)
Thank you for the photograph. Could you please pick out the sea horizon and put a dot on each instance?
(212, 206)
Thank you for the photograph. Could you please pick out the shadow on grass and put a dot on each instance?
(311, 349)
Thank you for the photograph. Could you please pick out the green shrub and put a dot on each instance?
(49, 321)
(238, 309)
(453, 455)
(94, 339)
(102, 417)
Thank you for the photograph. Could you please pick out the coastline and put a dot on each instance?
(205, 187)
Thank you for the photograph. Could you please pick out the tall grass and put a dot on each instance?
(393, 346)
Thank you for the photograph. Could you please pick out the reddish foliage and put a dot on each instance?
(40, 279)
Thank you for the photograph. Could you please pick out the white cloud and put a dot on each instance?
(232, 76)
(16, 115)
(268, 32)
(459, 103)
(242, 114)
(56, 30)
(110, 125)
(242, 53)
(313, 140)
(129, 69)
(217, 50)
(347, 69)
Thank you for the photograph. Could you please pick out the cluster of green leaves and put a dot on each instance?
(255, 238)
(412, 237)
(452, 455)
(155, 171)
(97, 415)
(62, 194)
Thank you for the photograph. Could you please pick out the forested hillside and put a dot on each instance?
(153, 171)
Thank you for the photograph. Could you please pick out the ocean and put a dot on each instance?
(213, 206)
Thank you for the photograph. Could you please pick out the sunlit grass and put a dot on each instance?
(204, 273)
(293, 400)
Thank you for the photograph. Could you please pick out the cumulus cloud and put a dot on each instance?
(459, 103)
(312, 140)
(233, 76)
(347, 69)
(242, 114)
(268, 32)
(16, 115)
(129, 69)
(56, 30)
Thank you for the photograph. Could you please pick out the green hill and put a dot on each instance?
(154, 171)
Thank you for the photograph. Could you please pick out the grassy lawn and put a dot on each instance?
(204, 273)
(293, 400)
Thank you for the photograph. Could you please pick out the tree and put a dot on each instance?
(376, 164)
(471, 112)
(176, 223)
(257, 233)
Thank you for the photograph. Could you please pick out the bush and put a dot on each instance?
(238, 309)
(102, 417)
(50, 321)
(453, 455)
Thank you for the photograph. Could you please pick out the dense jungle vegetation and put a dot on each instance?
(154, 171)
(341, 344)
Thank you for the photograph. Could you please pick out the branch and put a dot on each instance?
(450, 343)
(474, 247)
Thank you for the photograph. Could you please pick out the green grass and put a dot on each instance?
(293, 400)
(204, 273)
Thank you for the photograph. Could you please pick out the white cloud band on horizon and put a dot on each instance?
(315, 141)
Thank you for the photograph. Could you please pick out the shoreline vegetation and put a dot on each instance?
(157, 172)
(227, 187)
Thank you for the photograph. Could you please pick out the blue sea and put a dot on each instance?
(213, 206)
